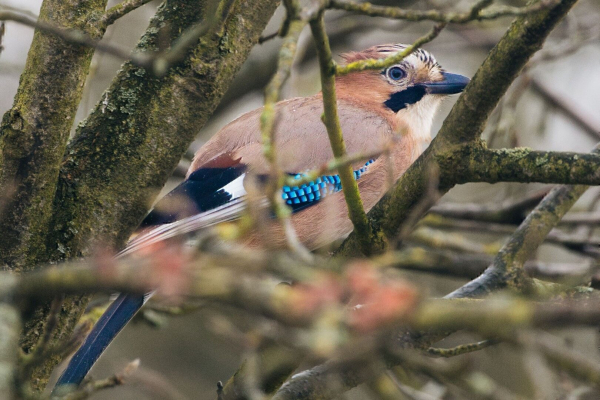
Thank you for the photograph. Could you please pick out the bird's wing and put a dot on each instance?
(302, 142)
(214, 192)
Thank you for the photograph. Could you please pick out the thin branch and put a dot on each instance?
(509, 211)
(480, 11)
(2, 31)
(588, 122)
(465, 265)
(95, 386)
(370, 64)
(156, 62)
(438, 239)
(120, 10)
(459, 350)
(267, 124)
(578, 243)
(507, 269)
(575, 364)
(356, 211)
(75, 37)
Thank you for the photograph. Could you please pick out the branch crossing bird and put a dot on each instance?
(390, 109)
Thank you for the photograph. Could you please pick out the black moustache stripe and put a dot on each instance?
(403, 99)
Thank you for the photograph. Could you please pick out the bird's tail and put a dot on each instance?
(122, 310)
(116, 316)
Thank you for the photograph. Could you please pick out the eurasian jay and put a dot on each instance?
(391, 109)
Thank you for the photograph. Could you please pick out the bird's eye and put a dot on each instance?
(396, 73)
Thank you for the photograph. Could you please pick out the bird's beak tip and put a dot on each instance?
(451, 84)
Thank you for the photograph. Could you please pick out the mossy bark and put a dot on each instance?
(467, 119)
(476, 163)
(122, 154)
(34, 132)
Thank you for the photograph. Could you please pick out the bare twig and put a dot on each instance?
(110, 382)
(480, 11)
(459, 350)
(509, 211)
(363, 65)
(75, 37)
(588, 122)
(121, 9)
(158, 63)
(356, 211)
(267, 124)
(507, 269)
(575, 364)
(2, 31)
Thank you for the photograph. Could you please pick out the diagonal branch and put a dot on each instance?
(507, 268)
(464, 124)
(292, 28)
(120, 10)
(468, 117)
(363, 65)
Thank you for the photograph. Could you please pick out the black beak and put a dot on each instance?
(451, 84)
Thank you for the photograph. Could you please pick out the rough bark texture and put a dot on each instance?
(124, 152)
(467, 119)
(34, 132)
(10, 326)
(477, 164)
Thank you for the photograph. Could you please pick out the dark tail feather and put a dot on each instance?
(118, 314)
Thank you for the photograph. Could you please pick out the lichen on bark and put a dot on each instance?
(126, 149)
(467, 118)
(34, 132)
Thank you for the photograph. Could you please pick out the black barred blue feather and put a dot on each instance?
(216, 195)
(308, 194)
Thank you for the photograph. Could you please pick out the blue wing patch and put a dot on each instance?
(209, 188)
(305, 195)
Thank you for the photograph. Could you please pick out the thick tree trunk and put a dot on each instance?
(122, 154)
(34, 132)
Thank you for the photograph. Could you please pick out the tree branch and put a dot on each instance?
(120, 10)
(588, 122)
(508, 212)
(480, 11)
(291, 30)
(467, 118)
(126, 149)
(520, 165)
(368, 243)
(34, 132)
(507, 268)
(370, 64)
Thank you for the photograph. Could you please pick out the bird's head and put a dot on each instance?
(410, 92)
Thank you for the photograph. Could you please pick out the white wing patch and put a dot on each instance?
(227, 212)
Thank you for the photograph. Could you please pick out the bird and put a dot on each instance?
(392, 109)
